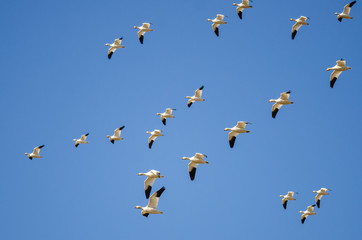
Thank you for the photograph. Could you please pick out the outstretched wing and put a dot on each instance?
(153, 202)
(148, 186)
(347, 8)
(215, 27)
(84, 137)
(118, 41)
(232, 138)
(334, 76)
(192, 170)
(285, 95)
(37, 149)
(198, 92)
(275, 109)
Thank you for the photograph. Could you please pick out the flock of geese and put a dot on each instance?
(198, 158)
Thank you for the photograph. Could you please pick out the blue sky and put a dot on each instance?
(58, 84)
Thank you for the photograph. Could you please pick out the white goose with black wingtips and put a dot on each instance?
(337, 70)
(287, 198)
(346, 11)
(298, 23)
(142, 31)
(235, 131)
(151, 207)
(81, 140)
(217, 22)
(320, 193)
(196, 97)
(307, 213)
(152, 175)
(283, 100)
(241, 6)
(114, 46)
(154, 134)
(35, 153)
(165, 115)
(116, 136)
(194, 162)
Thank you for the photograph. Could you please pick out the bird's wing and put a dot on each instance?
(296, 27)
(245, 2)
(290, 194)
(189, 102)
(118, 41)
(233, 134)
(149, 182)
(215, 27)
(341, 63)
(334, 76)
(111, 51)
(198, 92)
(192, 170)
(146, 25)
(117, 131)
(220, 17)
(285, 95)
(37, 149)
(311, 208)
(199, 155)
(241, 124)
(347, 8)
(275, 109)
(84, 137)
(169, 111)
(153, 202)
(284, 202)
(318, 197)
(152, 138)
(141, 33)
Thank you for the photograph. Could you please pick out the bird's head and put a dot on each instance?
(235, 4)
(26, 153)
(271, 100)
(138, 207)
(336, 13)
(135, 27)
(210, 20)
(108, 136)
(185, 158)
(301, 212)
(281, 196)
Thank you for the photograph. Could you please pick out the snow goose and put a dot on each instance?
(235, 131)
(167, 114)
(142, 30)
(35, 153)
(116, 136)
(283, 100)
(298, 23)
(241, 6)
(194, 162)
(307, 212)
(114, 46)
(151, 177)
(286, 198)
(81, 140)
(320, 193)
(196, 97)
(346, 11)
(216, 23)
(154, 134)
(151, 207)
(337, 70)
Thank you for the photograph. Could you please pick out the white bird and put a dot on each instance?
(308, 212)
(142, 30)
(216, 23)
(320, 193)
(151, 178)
(116, 136)
(286, 198)
(151, 207)
(346, 11)
(337, 70)
(235, 131)
(114, 46)
(283, 100)
(241, 6)
(167, 114)
(35, 153)
(81, 140)
(154, 134)
(196, 97)
(298, 23)
(194, 162)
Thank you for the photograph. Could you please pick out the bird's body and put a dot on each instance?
(283, 100)
(154, 134)
(286, 198)
(197, 159)
(114, 46)
(81, 140)
(151, 177)
(337, 70)
(165, 115)
(298, 23)
(196, 98)
(151, 207)
(142, 30)
(235, 131)
(241, 6)
(116, 136)
(35, 153)
(346, 11)
(216, 23)
(307, 213)
(320, 193)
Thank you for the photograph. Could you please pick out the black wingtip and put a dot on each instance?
(189, 104)
(202, 87)
(160, 191)
(340, 19)
(76, 145)
(192, 174)
(146, 215)
(164, 121)
(352, 3)
(285, 205)
(303, 220)
(333, 81)
(86, 134)
(240, 14)
(150, 144)
(41, 146)
(110, 55)
(294, 33)
(30, 158)
(289, 92)
(274, 113)
(232, 142)
(318, 203)
(148, 191)
(217, 31)
(141, 39)
(112, 141)
(121, 128)
(121, 38)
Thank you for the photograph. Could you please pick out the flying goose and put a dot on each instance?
(114, 46)
(298, 23)
(196, 97)
(283, 100)
(167, 114)
(241, 6)
(286, 198)
(346, 11)
(116, 136)
(35, 153)
(337, 70)
(308, 212)
(320, 193)
(81, 140)
(194, 162)
(142, 30)
(151, 177)
(154, 134)
(151, 207)
(235, 131)
(216, 23)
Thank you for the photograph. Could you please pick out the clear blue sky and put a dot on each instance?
(58, 84)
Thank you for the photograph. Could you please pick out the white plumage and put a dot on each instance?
(114, 46)
(142, 31)
(283, 100)
(216, 23)
(337, 70)
(35, 153)
(197, 159)
(152, 175)
(235, 131)
(298, 23)
(151, 207)
(116, 136)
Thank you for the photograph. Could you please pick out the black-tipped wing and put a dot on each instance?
(112, 141)
(150, 144)
(274, 113)
(216, 31)
(285, 204)
(164, 121)
(240, 14)
(148, 191)
(333, 81)
(153, 202)
(192, 173)
(110, 53)
(77, 144)
(232, 142)
(160, 191)
(294, 33)
(351, 4)
(141, 39)
(189, 104)
(318, 203)
(121, 128)
(145, 214)
(340, 19)
(303, 220)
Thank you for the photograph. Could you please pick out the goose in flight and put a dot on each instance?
(283, 100)
(307, 212)
(81, 140)
(216, 23)
(114, 46)
(320, 193)
(167, 114)
(151, 178)
(235, 131)
(298, 23)
(196, 97)
(35, 153)
(241, 6)
(151, 207)
(194, 162)
(286, 198)
(346, 11)
(116, 136)
(337, 70)
(142, 30)
(154, 134)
